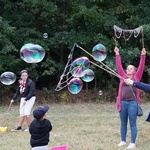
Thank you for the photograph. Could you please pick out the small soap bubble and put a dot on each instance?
(45, 35)
(88, 75)
(100, 92)
(78, 66)
(8, 78)
(99, 52)
(75, 85)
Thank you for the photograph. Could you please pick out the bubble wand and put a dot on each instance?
(58, 88)
(6, 123)
(7, 114)
(106, 69)
(65, 77)
(115, 74)
(118, 32)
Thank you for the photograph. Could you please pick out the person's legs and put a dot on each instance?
(28, 106)
(21, 120)
(21, 117)
(40, 148)
(28, 120)
(132, 111)
(124, 120)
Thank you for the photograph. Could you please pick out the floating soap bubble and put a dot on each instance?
(75, 85)
(32, 53)
(99, 52)
(45, 35)
(78, 71)
(78, 66)
(8, 78)
(88, 75)
(100, 92)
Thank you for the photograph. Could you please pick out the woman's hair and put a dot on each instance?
(23, 71)
(135, 69)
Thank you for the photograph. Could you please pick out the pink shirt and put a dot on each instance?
(137, 77)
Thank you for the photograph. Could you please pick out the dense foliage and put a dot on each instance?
(85, 22)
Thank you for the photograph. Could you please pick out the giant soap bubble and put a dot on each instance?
(78, 66)
(88, 75)
(32, 53)
(75, 85)
(8, 78)
(99, 52)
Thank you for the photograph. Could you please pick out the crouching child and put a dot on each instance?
(40, 129)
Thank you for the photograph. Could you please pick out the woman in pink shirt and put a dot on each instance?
(127, 97)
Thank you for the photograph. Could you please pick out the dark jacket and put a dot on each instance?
(40, 132)
(142, 86)
(29, 90)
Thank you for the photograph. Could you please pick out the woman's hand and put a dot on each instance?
(116, 50)
(11, 101)
(128, 81)
(143, 52)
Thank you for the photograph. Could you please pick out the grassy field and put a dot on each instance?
(82, 126)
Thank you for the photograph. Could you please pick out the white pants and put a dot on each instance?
(40, 148)
(25, 110)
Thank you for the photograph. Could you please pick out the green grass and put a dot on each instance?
(82, 126)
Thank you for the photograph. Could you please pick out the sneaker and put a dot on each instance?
(17, 129)
(122, 143)
(27, 129)
(131, 146)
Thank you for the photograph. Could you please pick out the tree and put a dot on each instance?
(66, 22)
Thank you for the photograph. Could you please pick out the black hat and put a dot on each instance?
(39, 112)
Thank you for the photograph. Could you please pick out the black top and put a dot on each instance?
(39, 131)
(28, 92)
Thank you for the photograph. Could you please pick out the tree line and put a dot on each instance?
(85, 22)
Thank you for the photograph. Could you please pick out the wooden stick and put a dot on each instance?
(6, 123)
(106, 69)
(142, 37)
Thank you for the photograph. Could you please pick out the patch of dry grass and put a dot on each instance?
(82, 126)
